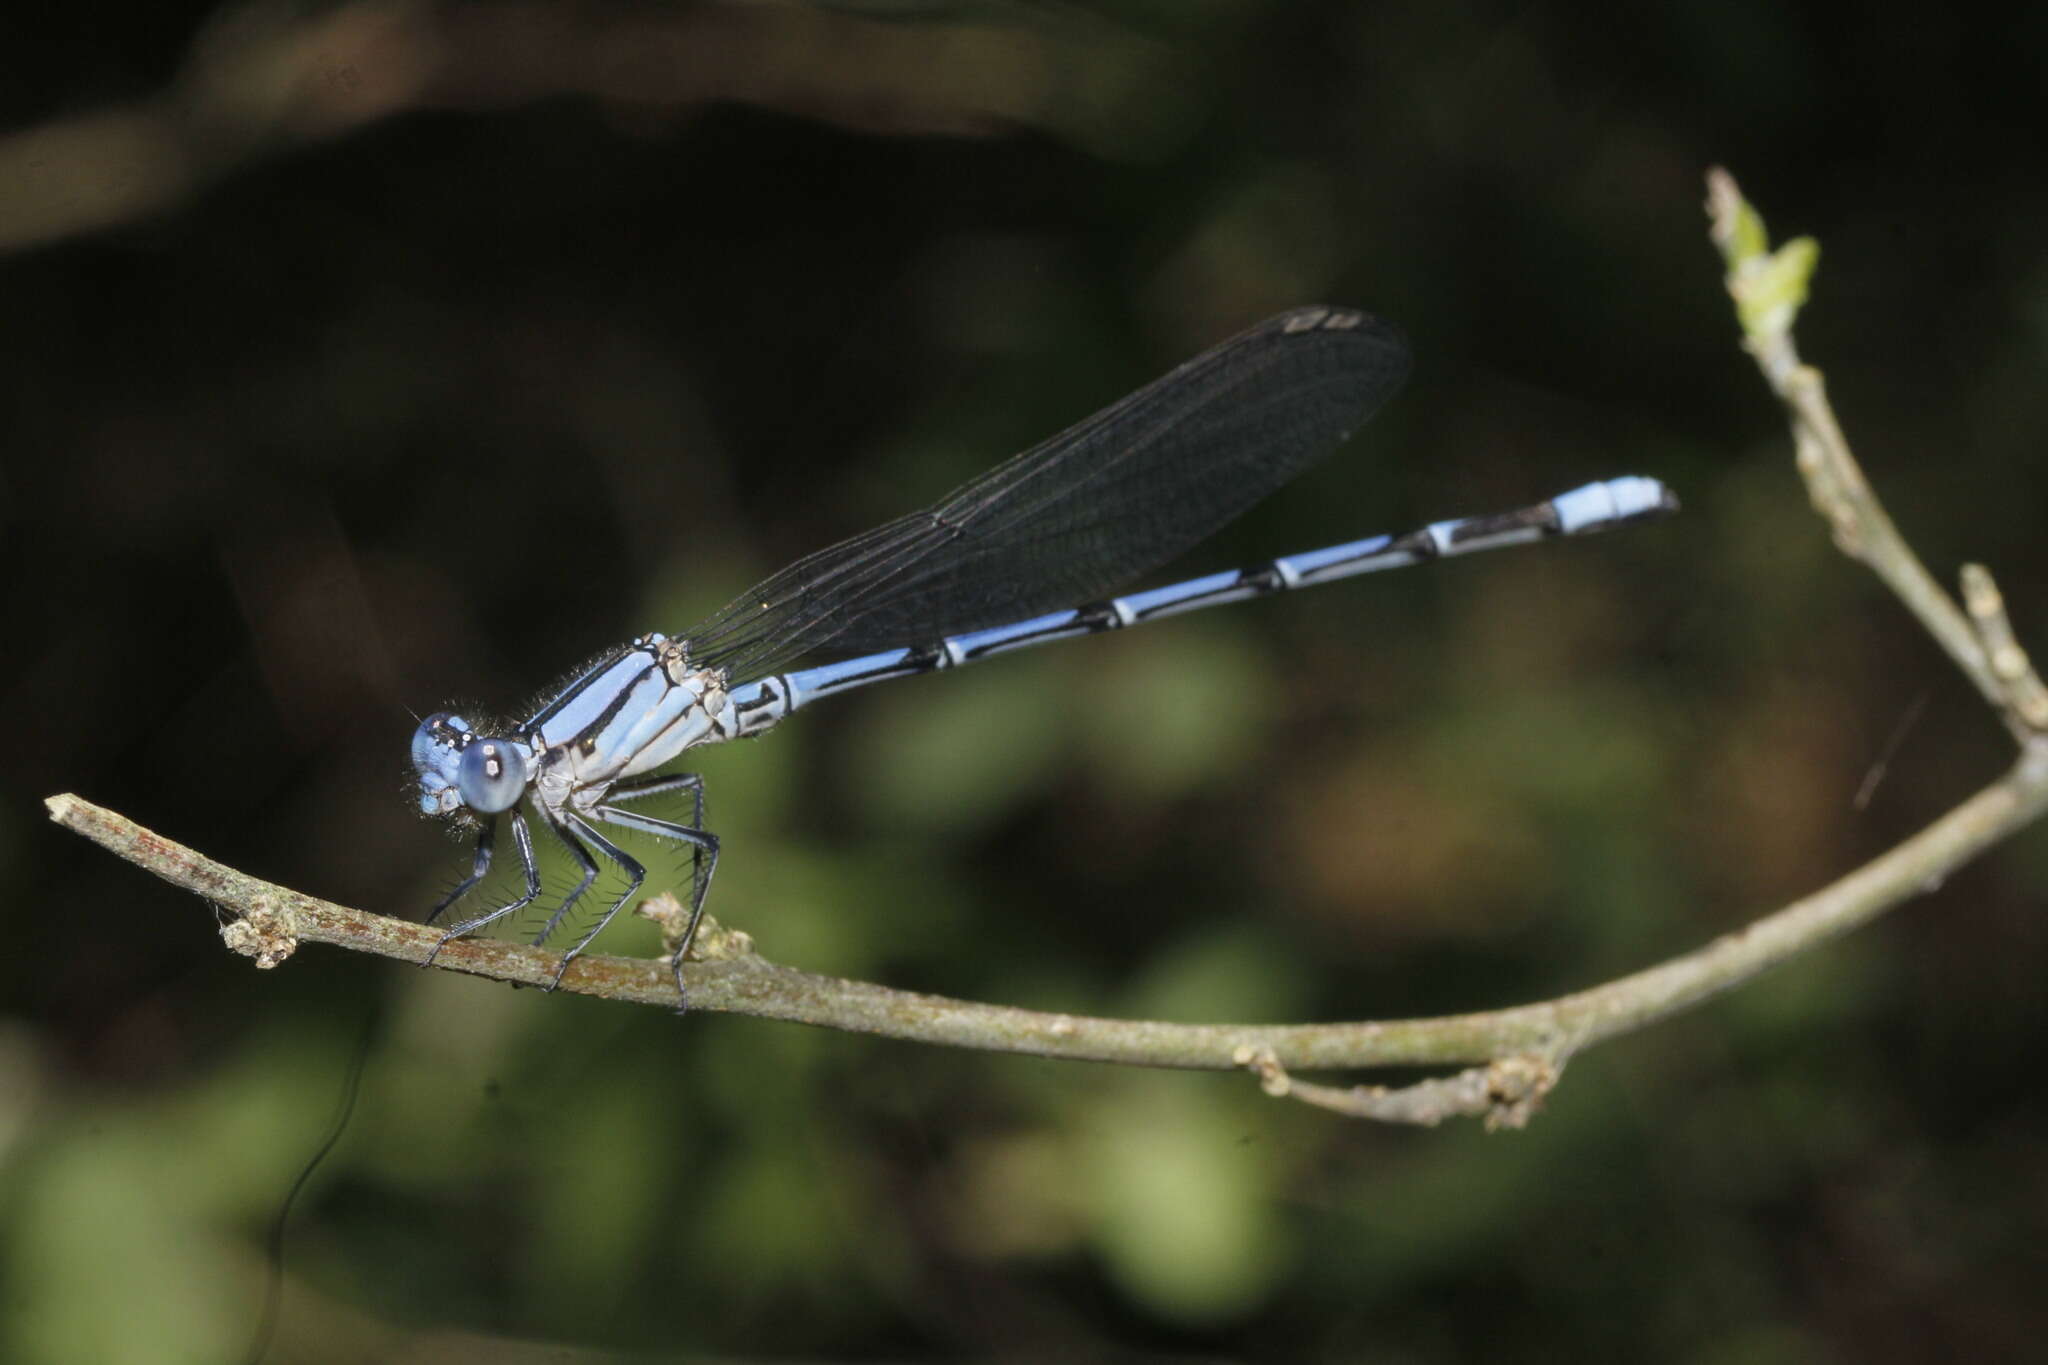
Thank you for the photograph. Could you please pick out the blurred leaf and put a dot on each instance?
(1162, 718)
(1232, 972)
(594, 1219)
(951, 755)
(1182, 1209)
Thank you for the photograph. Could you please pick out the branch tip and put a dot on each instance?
(1505, 1093)
(1768, 288)
(2024, 694)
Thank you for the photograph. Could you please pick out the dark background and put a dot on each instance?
(360, 360)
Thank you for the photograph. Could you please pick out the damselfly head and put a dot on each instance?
(463, 771)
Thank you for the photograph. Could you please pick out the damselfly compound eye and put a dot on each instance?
(491, 776)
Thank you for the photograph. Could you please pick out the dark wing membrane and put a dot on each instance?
(1086, 512)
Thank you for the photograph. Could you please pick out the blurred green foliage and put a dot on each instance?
(430, 401)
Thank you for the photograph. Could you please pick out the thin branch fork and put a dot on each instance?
(1516, 1055)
